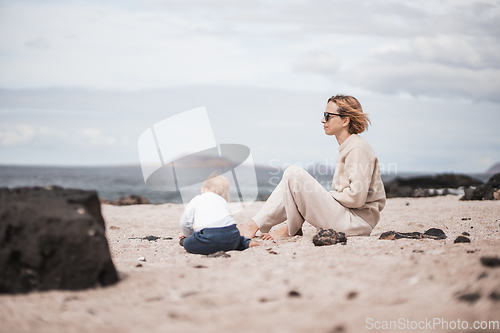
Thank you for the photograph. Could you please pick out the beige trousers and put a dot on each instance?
(298, 198)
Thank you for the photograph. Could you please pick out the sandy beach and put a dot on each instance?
(287, 285)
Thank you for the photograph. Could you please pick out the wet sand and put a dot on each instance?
(283, 286)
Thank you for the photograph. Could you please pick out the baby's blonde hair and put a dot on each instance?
(218, 185)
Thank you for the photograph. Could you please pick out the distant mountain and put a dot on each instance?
(495, 168)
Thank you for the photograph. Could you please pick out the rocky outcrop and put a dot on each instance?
(488, 191)
(132, 199)
(495, 168)
(52, 238)
(425, 186)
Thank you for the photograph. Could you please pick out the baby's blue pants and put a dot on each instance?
(211, 240)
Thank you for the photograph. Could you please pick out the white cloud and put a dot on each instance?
(25, 135)
(166, 44)
(93, 136)
(18, 135)
(38, 42)
(443, 66)
(318, 62)
(157, 44)
(459, 51)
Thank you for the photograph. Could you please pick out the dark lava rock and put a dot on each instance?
(420, 186)
(462, 239)
(52, 238)
(469, 298)
(432, 233)
(465, 233)
(219, 254)
(338, 329)
(293, 293)
(352, 295)
(490, 261)
(132, 199)
(328, 237)
(151, 238)
(488, 191)
(270, 251)
(494, 296)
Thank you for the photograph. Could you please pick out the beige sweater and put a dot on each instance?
(356, 183)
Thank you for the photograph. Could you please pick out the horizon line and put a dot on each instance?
(138, 165)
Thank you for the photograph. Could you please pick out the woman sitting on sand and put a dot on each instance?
(358, 195)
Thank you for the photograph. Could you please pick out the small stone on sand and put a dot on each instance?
(495, 296)
(432, 233)
(469, 298)
(328, 237)
(490, 261)
(270, 251)
(352, 295)
(219, 254)
(462, 239)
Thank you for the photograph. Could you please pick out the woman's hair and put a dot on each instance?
(218, 185)
(350, 107)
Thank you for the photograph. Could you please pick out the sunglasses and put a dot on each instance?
(328, 114)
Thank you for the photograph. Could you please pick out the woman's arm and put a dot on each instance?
(358, 170)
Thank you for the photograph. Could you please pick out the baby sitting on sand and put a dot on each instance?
(207, 222)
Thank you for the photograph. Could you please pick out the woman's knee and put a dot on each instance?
(293, 171)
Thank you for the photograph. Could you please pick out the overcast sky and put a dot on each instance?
(81, 80)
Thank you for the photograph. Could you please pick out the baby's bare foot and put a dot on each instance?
(248, 229)
(253, 243)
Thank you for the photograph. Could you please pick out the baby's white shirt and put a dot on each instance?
(208, 210)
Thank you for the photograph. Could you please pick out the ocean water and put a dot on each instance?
(119, 181)
(109, 182)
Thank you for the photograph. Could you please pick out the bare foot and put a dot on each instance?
(280, 233)
(253, 243)
(248, 229)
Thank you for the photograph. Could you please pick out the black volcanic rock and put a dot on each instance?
(419, 186)
(490, 261)
(462, 239)
(432, 233)
(132, 199)
(488, 191)
(52, 238)
(328, 237)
